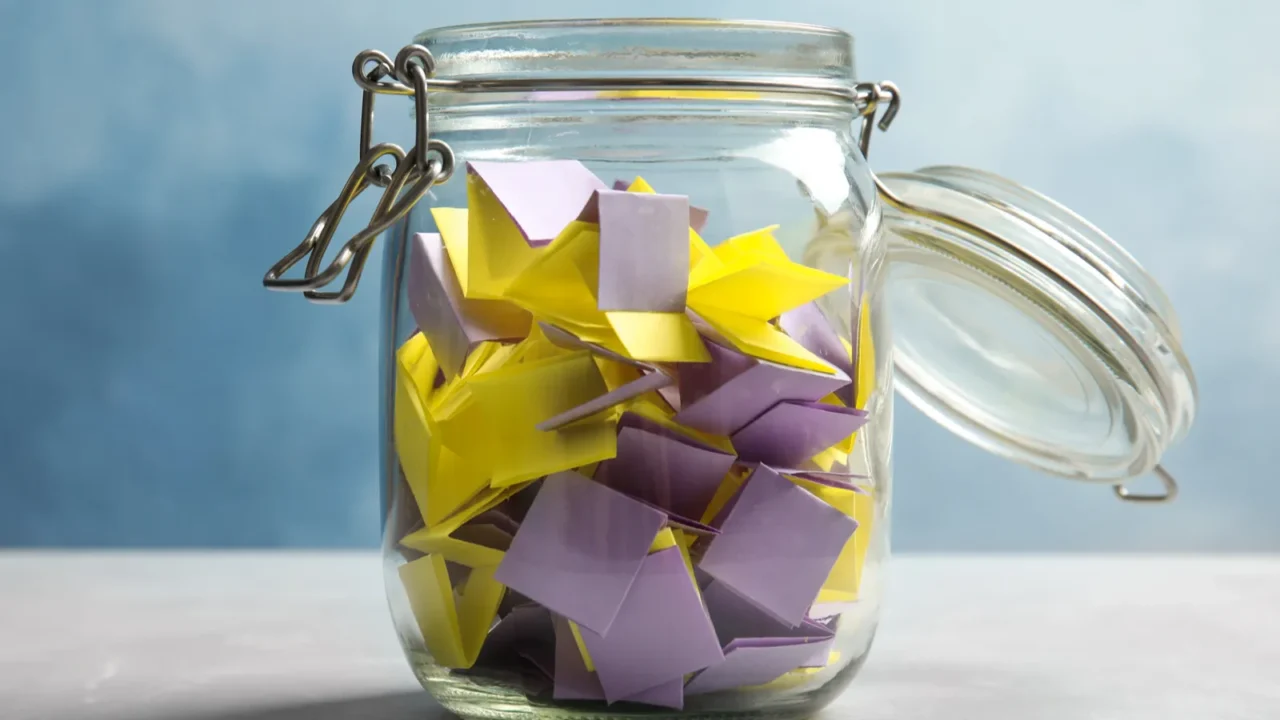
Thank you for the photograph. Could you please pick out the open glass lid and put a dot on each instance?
(1029, 332)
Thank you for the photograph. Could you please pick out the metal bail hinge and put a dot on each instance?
(429, 162)
(1168, 494)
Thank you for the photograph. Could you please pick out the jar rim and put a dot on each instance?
(507, 26)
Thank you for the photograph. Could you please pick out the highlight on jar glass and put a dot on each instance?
(629, 446)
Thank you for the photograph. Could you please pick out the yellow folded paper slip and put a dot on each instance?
(454, 631)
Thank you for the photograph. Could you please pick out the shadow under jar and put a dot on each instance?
(638, 389)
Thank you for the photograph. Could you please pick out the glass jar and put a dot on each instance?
(638, 387)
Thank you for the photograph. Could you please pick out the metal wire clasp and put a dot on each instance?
(414, 173)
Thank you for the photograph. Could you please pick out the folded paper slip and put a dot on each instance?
(726, 394)
(579, 549)
(453, 324)
(790, 433)
(753, 661)
(573, 681)
(777, 545)
(496, 420)
(454, 630)
(644, 250)
(673, 472)
(514, 208)
(661, 634)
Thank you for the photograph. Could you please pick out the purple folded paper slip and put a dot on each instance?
(777, 546)
(542, 197)
(526, 632)
(574, 682)
(669, 470)
(452, 324)
(736, 618)
(726, 394)
(808, 326)
(579, 549)
(790, 433)
(748, 662)
(644, 250)
(661, 634)
(697, 216)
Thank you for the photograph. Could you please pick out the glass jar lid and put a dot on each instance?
(1026, 330)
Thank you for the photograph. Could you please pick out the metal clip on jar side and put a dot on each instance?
(415, 172)
(432, 161)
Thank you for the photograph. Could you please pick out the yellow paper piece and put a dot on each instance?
(479, 356)
(827, 459)
(748, 248)
(453, 631)
(582, 646)
(453, 549)
(658, 337)
(616, 374)
(413, 349)
(701, 254)
(665, 539)
(452, 223)
(829, 596)
(762, 289)
(452, 481)
(480, 504)
(759, 338)
(477, 609)
(426, 582)
(496, 249)
(559, 281)
(640, 185)
(500, 421)
(866, 370)
(535, 347)
(412, 438)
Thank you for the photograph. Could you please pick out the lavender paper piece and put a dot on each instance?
(790, 433)
(808, 326)
(777, 546)
(668, 470)
(574, 682)
(736, 618)
(542, 197)
(644, 250)
(751, 662)
(526, 632)
(671, 394)
(661, 634)
(697, 216)
(831, 478)
(453, 324)
(726, 394)
(579, 549)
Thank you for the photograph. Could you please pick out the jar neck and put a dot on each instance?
(707, 61)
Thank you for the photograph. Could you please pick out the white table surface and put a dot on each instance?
(288, 636)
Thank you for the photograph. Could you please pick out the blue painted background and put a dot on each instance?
(159, 156)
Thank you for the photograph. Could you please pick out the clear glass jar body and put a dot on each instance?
(752, 162)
